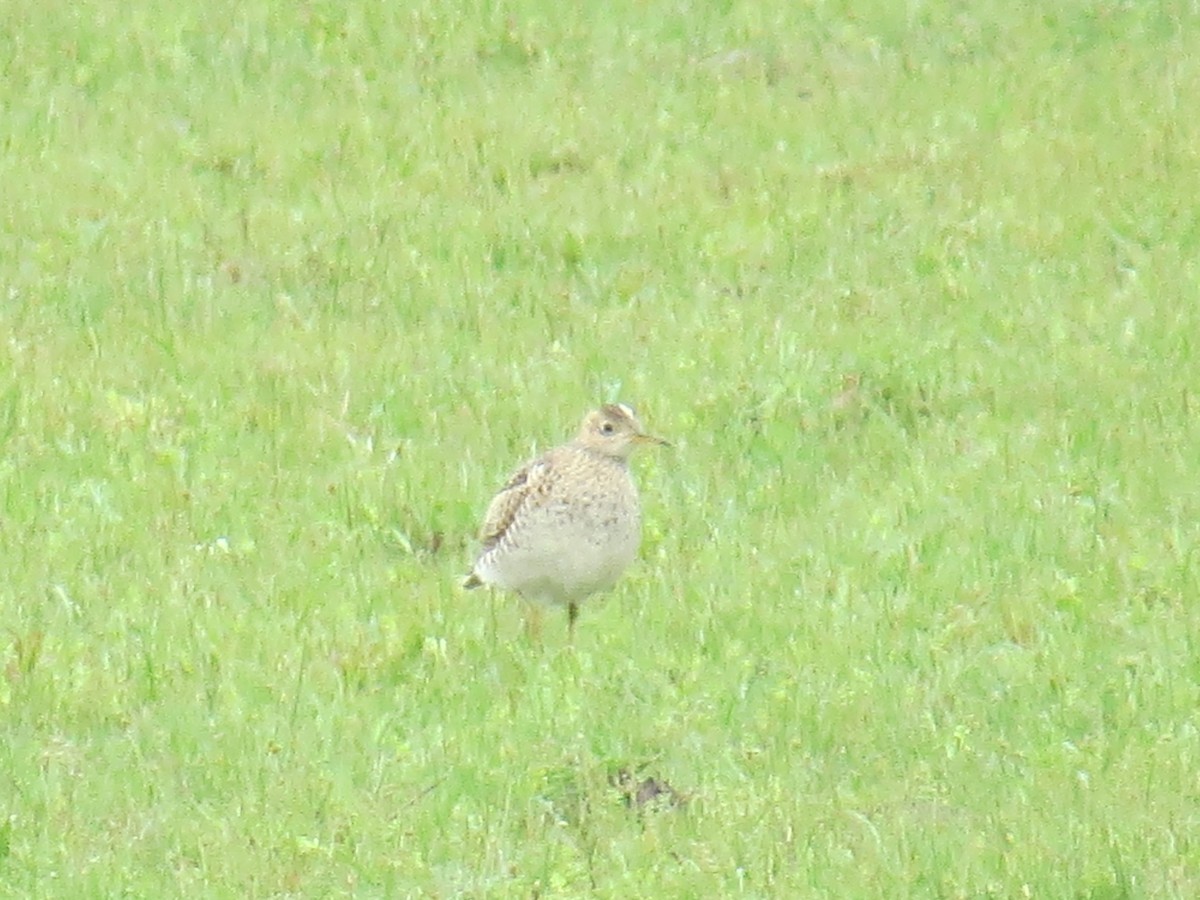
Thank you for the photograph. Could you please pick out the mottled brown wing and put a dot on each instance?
(507, 503)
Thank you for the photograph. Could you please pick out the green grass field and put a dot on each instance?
(286, 290)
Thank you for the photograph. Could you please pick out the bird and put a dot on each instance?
(567, 523)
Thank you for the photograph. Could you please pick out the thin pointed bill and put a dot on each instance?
(651, 439)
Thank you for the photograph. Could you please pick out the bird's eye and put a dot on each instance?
(607, 428)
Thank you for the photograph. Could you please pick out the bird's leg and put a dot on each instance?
(533, 622)
(572, 615)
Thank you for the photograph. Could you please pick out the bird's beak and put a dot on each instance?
(650, 439)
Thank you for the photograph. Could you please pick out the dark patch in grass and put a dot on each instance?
(511, 49)
(371, 663)
(27, 648)
(557, 162)
(910, 405)
(416, 537)
(233, 166)
(640, 793)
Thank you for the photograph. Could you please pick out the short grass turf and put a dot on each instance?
(287, 289)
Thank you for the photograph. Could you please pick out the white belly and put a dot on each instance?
(572, 557)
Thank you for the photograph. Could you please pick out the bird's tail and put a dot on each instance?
(472, 581)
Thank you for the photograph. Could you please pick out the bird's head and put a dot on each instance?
(614, 430)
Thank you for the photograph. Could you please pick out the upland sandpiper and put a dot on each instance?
(567, 524)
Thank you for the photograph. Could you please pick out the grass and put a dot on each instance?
(287, 290)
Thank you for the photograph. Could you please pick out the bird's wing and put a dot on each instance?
(502, 511)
